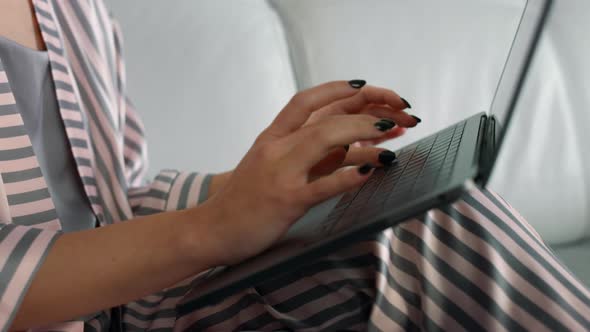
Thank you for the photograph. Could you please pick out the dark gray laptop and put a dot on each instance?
(433, 171)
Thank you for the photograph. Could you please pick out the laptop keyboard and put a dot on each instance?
(420, 168)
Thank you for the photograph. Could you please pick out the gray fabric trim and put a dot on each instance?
(146, 211)
(28, 197)
(15, 154)
(31, 276)
(133, 145)
(16, 257)
(61, 84)
(5, 230)
(5, 88)
(151, 317)
(47, 29)
(205, 188)
(79, 143)
(184, 191)
(8, 109)
(37, 218)
(43, 13)
(133, 125)
(54, 49)
(87, 29)
(29, 174)
(102, 168)
(348, 323)
(164, 178)
(12, 131)
(155, 193)
(73, 123)
(172, 184)
(83, 161)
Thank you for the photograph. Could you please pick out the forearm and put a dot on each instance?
(93, 270)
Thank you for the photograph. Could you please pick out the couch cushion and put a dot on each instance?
(206, 76)
(446, 58)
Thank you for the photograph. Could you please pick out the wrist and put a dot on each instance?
(199, 240)
(217, 182)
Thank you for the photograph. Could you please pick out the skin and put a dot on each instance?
(18, 23)
(295, 163)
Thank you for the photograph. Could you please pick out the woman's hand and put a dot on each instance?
(274, 183)
(361, 152)
(358, 153)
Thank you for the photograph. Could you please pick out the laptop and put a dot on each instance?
(431, 172)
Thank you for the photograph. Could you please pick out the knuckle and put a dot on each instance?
(363, 123)
(301, 197)
(264, 152)
(317, 192)
(299, 100)
(261, 137)
(285, 195)
(367, 119)
(365, 95)
(305, 198)
(318, 133)
(280, 198)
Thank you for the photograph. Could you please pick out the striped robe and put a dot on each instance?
(474, 265)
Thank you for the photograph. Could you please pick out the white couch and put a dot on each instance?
(230, 65)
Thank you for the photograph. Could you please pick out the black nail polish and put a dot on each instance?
(347, 147)
(390, 121)
(357, 84)
(406, 102)
(384, 125)
(387, 157)
(417, 118)
(365, 169)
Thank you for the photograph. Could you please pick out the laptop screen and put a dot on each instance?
(517, 66)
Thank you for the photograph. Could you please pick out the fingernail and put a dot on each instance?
(365, 169)
(347, 147)
(384, 124)
(406, 102)
(357, 84)
(387, 157)
(389, 120)
(417, 118)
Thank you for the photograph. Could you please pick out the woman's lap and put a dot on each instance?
(473, 265)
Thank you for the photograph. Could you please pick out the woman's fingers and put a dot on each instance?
(352, 156)
(304, 103)
(312, 143)
(369, 155)
(329, 164)
(393, 133)
(336, 183)
(400, 117)
(371, 96)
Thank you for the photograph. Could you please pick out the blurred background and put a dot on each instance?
(208, 75)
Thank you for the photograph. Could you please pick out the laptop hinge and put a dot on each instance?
(486, 145)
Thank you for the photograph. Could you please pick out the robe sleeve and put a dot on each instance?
(22, 250)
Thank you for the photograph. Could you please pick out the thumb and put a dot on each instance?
(338, 182)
